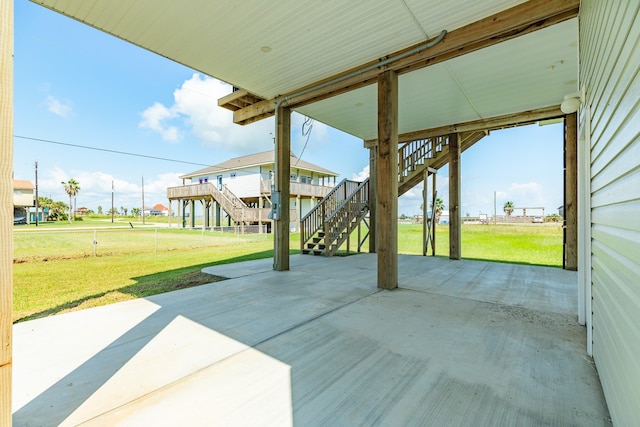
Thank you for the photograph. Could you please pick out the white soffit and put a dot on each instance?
(307, 40)
(528, 72)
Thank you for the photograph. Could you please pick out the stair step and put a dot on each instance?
(312, 252)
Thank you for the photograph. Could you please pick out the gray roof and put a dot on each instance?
(257, 159)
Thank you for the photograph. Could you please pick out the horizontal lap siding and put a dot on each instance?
(610, 69)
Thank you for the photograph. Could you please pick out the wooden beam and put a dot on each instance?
(238, 99)
(505, 25)
(373, 189)
(387, 181)
(283, 187)
(506, 121)
(455, 235)
(6, 209)
(570, 261)
(508, 24)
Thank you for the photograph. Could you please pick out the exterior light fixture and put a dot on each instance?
(571, 102)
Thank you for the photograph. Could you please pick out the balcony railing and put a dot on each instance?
(298, 188)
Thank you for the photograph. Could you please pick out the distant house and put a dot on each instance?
(444, 217)
(239, 189)
(82, 211)
(159, 210)
(23, 199)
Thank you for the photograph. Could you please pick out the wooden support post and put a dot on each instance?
(212, 213)
(260, 206)
(205, 213)
(218, 214)
(282, 186)
(387, 181)
(434, 193)
(570, 261)
(170, 212)
(192, 212)
(454, 197)
(299, 210)
(425, 208)
(6, 208)
(373, 176)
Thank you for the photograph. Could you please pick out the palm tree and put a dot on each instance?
(508, 208)
(71, 187)
(439, 207)
(99, 210)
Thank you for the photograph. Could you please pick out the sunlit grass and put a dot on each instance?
(526, 244)
(57, 272)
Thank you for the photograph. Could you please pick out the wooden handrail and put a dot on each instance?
(313, 221)
(413, 154)
(339, 224)
(229, 202)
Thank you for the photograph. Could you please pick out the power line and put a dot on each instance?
(306, 131)
(86, 147)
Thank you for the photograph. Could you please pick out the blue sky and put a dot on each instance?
(76, 85)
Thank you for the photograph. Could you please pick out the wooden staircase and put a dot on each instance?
(233, 205)
(414, 157)
(328, 225)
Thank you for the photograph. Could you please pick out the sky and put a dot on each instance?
(76, 86)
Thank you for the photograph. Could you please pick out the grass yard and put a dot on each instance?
(56, 272)
(44, 288)
(523, 244)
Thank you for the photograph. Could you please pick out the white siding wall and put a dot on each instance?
(610, 69)
(246, 183)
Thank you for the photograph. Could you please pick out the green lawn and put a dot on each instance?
(56, 272)
(525, 244)
(50, 287)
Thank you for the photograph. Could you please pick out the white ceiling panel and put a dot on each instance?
(308, 40)
(273, 48)
(529, 72)
(432, 15)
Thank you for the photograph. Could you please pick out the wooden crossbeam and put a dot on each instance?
(509, 120)
(505, 25)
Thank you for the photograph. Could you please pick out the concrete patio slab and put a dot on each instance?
(459, 343)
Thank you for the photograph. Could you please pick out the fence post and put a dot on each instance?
(95, 242)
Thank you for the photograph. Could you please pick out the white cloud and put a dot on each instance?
(362, 175)
(195, 109)
(530, 194)
(96, 188)
(58, 108)
(155, 118)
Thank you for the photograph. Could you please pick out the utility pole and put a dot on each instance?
(495, 211)
(112, 209)
(142, 199)
(37, 204)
